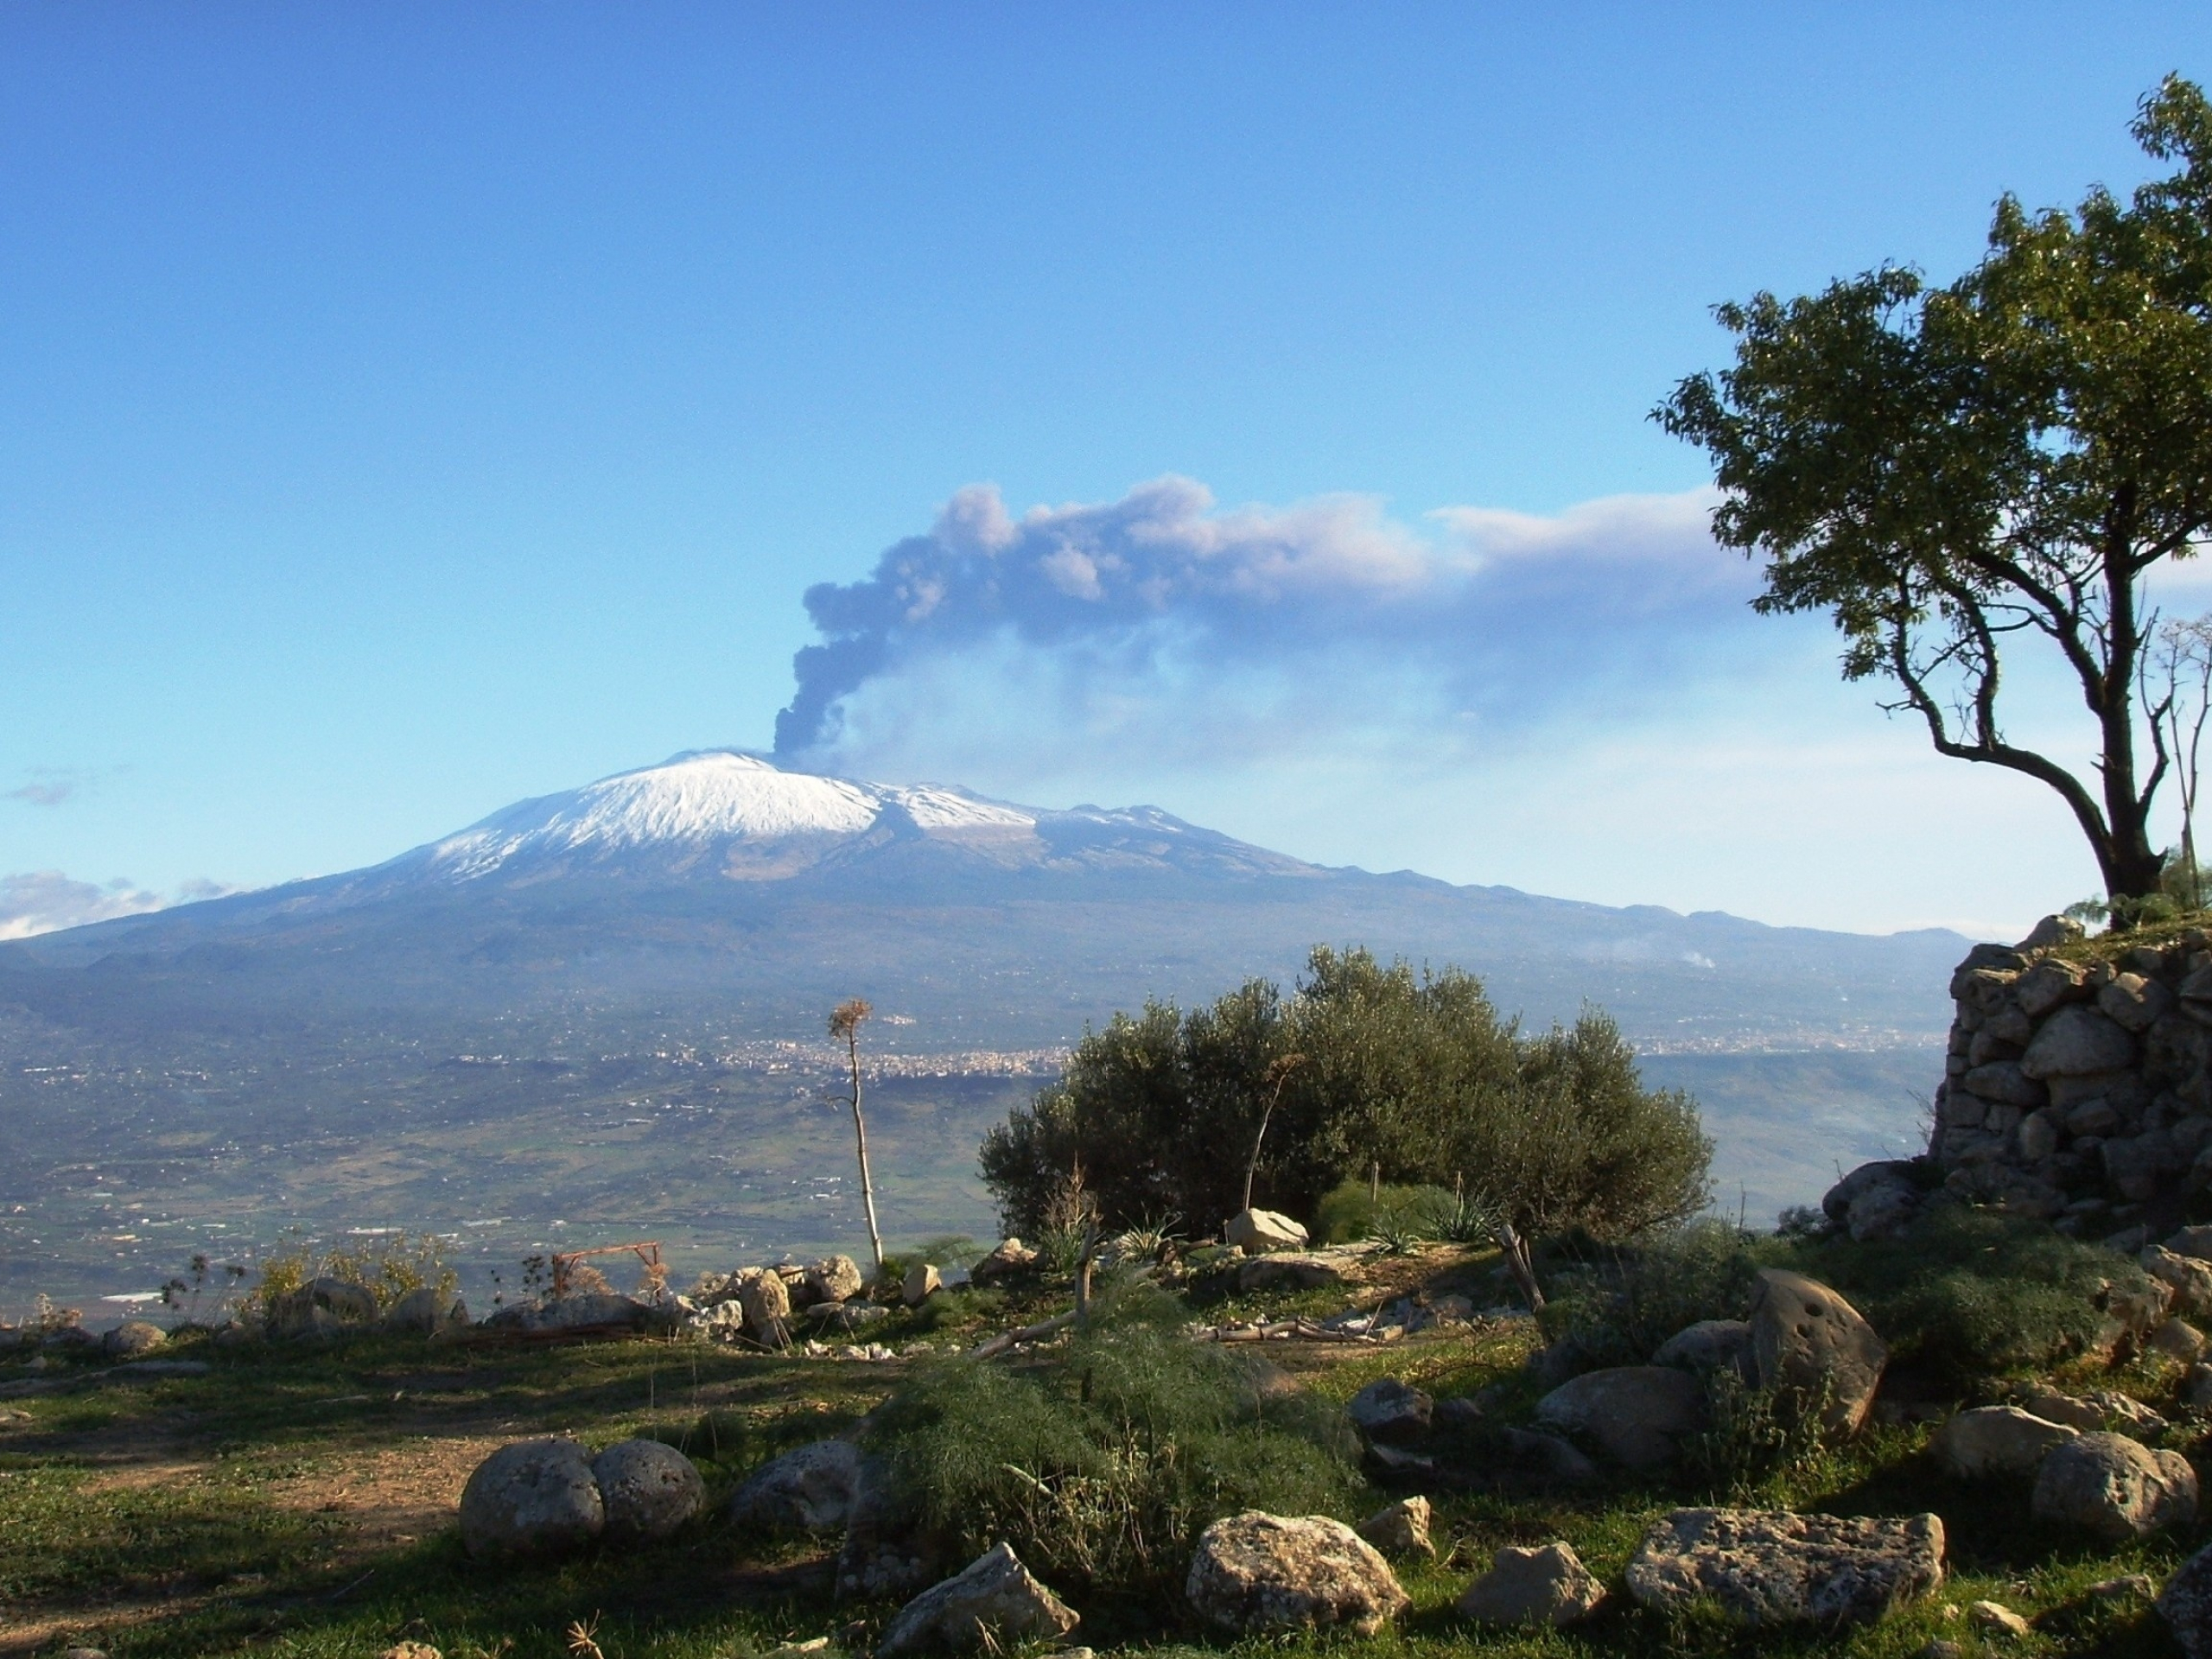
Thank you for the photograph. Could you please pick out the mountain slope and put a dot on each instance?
(717, 882)
(605, 1007)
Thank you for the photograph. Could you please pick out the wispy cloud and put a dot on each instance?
(46, 901)
(1162, 600)
(52, 785)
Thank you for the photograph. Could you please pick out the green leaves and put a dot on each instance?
(1959, 473)
(1415, 1075)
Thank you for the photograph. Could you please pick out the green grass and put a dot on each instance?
(163, 1517)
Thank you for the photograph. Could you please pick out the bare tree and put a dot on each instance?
(2186, 654)
(845, 1024)
(1278, 1073)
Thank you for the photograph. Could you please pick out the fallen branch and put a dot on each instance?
(996, 1346)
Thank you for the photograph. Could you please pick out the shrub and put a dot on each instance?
(722, 1436)
(1754, 1441)
(1972, 1291)
(1968, 1291)
(1366, 1068)
(1621, 1306)
(387, 1265)
(1355, 1210)
(954, 1310)
(1102, 1469)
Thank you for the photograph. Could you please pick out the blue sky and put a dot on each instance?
(409, 409)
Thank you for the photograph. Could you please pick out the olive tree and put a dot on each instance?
(1365, 1068)
(1966, 475)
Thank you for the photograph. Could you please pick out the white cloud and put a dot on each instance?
(46, 901)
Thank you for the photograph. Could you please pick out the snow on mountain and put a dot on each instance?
(704, 797)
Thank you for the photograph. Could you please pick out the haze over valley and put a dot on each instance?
(599, 1014)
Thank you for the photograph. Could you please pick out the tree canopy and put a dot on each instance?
(1414, 1077)
(1957, 473)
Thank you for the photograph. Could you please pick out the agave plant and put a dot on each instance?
(1465, 1218)
(1147, 1242)
(1395, 1235)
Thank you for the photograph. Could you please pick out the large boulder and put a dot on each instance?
(1530, 1456)
(2050, 932)
(322, 1308)
(1709, 1345)
(2099, 1409)
(1808, 1340)
(994, 1600)
(647, 1490)
(2186, 1606)
(1401, 1529)
(1770, 1566)
(2134, 1003)
(2178, 1340)
(133, 1339)
(424, 1312)
(586, 1312)
(809, 1489)
(1391, 1412)
(833, 1279)
(1009, 1258)
(2115, 1488)
(1836, 1203)
(1298, 1270)
(2189, 1276)
(2001, 1081)
(1255, 1572)
(534, 1497)
(922, 1281)
(2078, 1042)
(888, 1552)
(1637, 1414)
(767, 1304)
(2048, 985)
(1548, 1587)
(1996, 1441)
(1257, 1232)
(1876, 1200)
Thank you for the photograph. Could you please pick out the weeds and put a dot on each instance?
(1102, 1470)
(1619, 1308)
(1356, 1210)
(185, 1296)
(1756, 1440)
(388, 1266)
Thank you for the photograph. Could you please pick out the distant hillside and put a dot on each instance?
(638, 948)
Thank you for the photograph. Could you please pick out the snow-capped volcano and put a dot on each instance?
(726, 812)
(706, 797)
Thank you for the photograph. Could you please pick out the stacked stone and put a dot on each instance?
(2074, 1088)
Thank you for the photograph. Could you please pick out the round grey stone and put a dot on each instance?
(646, 1489)
(535, 1497)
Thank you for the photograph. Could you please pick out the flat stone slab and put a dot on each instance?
(1303, 1269)
(1773, 1566)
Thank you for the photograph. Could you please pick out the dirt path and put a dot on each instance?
(381, 1495)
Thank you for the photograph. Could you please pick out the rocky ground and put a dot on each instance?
(304, 1496)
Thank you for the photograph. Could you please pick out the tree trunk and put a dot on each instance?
(1082, 1277)
(1252, 1167)
(867, 1182)
(2132, 865)
(1515, 1247)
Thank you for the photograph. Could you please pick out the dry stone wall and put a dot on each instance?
(2078, 1089)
